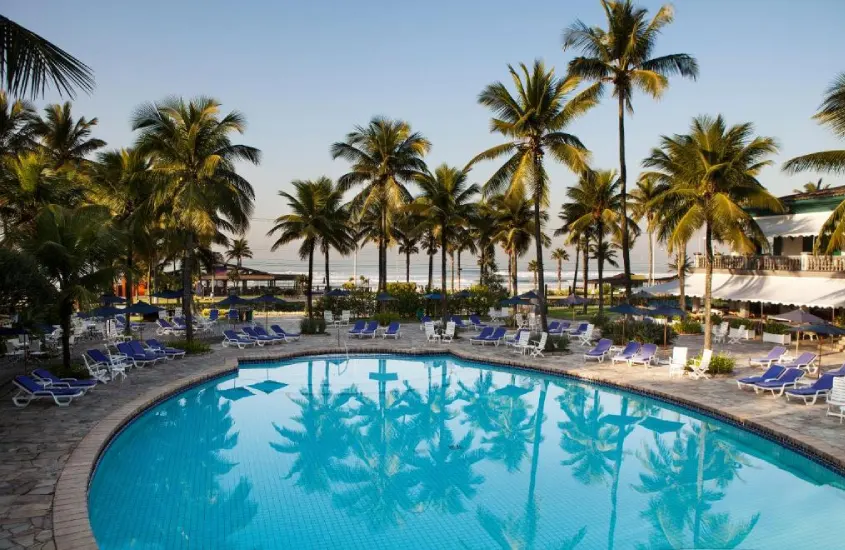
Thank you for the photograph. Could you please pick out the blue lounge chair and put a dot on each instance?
(165, 327)
(392, 330)
(166, 351)
(273, 338)
(631, 349)
(784, 381)
(601, 350)
(213, 315)
(820, 389)
(257, 338)
(645, 356)
(555, 328)
(233, 316)
(423, 320)
(104, 368)
(476, 322)
(287, 336)
(30, 390)
(133, 357)
(459, 323)
(369, 330)
(231, 338)
(804, 361)
(837, 372)
(579, 330)
(149, 354)
(772, 373)
(354, 331)
(482, 337)
(773, 355)
(50, 380)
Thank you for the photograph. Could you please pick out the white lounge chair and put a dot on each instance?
(586, 338)
(522, 344)
(537, 347)
(430, 334)
(721, 332)
(345, 317)
(29, 390)
(449, 333)
(700, 367)
(836, 399)
(678, 363)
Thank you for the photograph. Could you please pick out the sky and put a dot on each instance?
(305, 73)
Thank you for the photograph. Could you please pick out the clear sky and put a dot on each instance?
(305, 73)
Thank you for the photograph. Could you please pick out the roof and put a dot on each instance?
(636, 280)
(770, 289)
(792, 225)
(822, 194)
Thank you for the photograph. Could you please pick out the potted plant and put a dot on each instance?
(776, 333)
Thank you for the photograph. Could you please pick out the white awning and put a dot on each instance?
(792, 225)
(770, 289)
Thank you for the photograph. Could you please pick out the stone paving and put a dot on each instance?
(37, 442)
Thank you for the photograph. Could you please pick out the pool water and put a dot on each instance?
(435, 452)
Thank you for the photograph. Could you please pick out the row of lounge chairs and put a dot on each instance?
(369, 329)
(257, 336)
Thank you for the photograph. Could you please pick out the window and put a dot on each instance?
(807, 244)
(777, 246)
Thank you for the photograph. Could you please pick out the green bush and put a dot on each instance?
(191, 348)
(407, 301)
(482, 298)
(385, 319)
(558, 344)
(742, 323)
(601, 321)
(317, 325)
(715, 319)
(360, 302)
(719, 364)
(775, 328)
(687, 326)
(638, 331)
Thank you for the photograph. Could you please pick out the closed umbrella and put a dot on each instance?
(822, 329)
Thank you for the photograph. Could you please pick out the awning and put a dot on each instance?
(792, 225)
(770, 289)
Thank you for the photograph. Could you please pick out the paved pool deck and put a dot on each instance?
(47, 453)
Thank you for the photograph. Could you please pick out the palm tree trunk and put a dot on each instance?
(328, 284)
(538, 240)
(481, 265)
(309, 294)
(452, 262)
(614, 488)
(407, 267)
(514, 274)
(650, 257)
(531, 505)
(430, 269)
(559, 275)
(65, 311)
(575, 276)
(623, 193)
(586, 269)
(459, 269)
(600, 259)
(187, 310)
(127, 276)
(708, 285)
(682, 278)
(443, 271)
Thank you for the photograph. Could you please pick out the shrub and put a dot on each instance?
(191, 348)
(557, 344)
(360, 302)
(719, 363)
(385, 319)
(687, 326)
(317, 325)
(407, 301)
(482, 298)
(601, 321)
(638, 331)
(742, 323)
(715, 319)
(775, 328)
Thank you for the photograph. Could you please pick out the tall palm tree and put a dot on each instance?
(194, 157)
(338, 234)
(29, 62)
(464, 241)
(429, 245)
(533, 122)
(65, 139)
(532, 267)
(516, 228)
(123, 183)
(621, 56)
(444, 199)
(831, 114)
(648, 188)
(238, 250)
(409, 239)
(569, 212)
(16, 119)
(713, 172)
(560, 255)
(74, 248)
(599, 202)
(306, 222)
(812, 187)
(483, 229)
(385, 156)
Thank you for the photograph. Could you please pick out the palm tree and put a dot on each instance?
(560, 255)
(190, 145)
(385, 156)
(429, 245)
(831, 114)
(532, 267)
(812, 187)
(337, 234)
(409, 240)
(598, 202)
(122, 182)
(648, 188)
(65, 139)
(533, 122)
(28, 62)
(238, 250)
(16, 119)
(483, 229)
(74, 248)
(306, 222)
(444, 200)
(621, 56)
(515, 223)
(713, 172)
(464, 240)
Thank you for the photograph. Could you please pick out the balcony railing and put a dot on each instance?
(774, 263)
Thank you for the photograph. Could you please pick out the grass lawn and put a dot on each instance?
(565, 313)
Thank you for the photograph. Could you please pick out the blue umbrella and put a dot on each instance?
(384, 297)
(337, 293)
(514, 301)
(801, 316)
(169, 294)
(463, 294)
(105, 311)
(266, 300)
(574, 300)
(433, 296)
(142, 308)
(109, 299)
(822, 329)
(626, 309)
(666, 311)
(233, 300)
(530, 295)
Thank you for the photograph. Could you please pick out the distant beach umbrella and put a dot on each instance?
(142, 308)
(105, 311)
(337, 293)
(109, 299)
(627, 309)
(384, 297)
(801, 316)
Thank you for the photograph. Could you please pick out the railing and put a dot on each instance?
(774, 263)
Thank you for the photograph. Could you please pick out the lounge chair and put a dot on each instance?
(585, 338)
(166, 351)
(700, 367)
(134, 358)
(165, 328)
(369, 330)
(259, 340)
(498, 335)
(286, 336)
(114, 364)
(512, 339)
(645, 356)
(423, 320)
(773, 355)
(736, 334)
(537, 347)
(459, 323)
(354, 331)
(430, 334)
(30, 390)
(805, 361)
(631, 349)
(781, 384)
(772, 373)
(678, 363)
(274, 338)
(580, 329)
(820, 389)
(230, 338)
(482, 337)
(721, 332)
(392, 331)
(213, 315)
(449, 334)
(836, 399)
(599, 352)
(49, 379)
(149, 354)
(476, 322)
(522, 343)
(556, 328)
(345, 316)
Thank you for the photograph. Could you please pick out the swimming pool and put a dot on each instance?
(436, 452)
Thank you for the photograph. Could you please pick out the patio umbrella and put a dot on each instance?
(105, 311)
(142, 308)
(668, 312)
(801, 316)
(233, 301)
(627, 309)
(574, 300)
(462, 295)
(433, 296)
(384, 297)
(530, 295)
(822, 329)
(168, 294)
(109, 299)
(266, 300)
(337, 293)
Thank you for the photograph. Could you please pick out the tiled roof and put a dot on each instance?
(824, 193)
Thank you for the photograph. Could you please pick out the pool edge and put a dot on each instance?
(71, 525)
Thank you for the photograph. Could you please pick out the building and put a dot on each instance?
(789, 275)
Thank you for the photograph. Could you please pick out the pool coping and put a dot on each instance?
(71, 525)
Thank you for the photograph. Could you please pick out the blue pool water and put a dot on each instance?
(434, 452)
